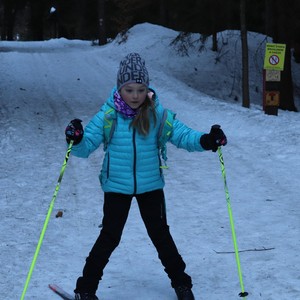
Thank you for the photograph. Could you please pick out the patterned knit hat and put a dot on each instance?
(132, 70)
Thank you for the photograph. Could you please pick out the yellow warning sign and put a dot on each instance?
(274, 57)
(272, 98)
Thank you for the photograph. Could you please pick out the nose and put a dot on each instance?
(135, 94)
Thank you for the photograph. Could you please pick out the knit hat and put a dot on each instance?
(132, 70)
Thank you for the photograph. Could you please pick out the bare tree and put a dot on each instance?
(36, 24)
(101, 22)
(245, 63)
(279, 26)
(163, 13)
(8, 20)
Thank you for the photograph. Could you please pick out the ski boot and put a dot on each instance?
(85, 296)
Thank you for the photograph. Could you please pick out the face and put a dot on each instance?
(134, 94)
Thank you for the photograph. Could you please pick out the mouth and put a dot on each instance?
(135, 102)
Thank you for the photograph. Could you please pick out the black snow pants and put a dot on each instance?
(115, 212)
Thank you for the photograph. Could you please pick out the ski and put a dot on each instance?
(60, 292)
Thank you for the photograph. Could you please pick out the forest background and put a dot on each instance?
(102, 20)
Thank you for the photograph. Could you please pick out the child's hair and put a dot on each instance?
(142, 120)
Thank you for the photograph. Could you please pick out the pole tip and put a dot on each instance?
(243, 294)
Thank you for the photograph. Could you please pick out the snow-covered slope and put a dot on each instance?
(43, 85)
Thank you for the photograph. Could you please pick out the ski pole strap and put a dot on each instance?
(164, 134)
(243, 293)
(110, 119)
(37, 250)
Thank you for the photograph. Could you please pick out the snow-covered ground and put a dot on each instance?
(43, 85)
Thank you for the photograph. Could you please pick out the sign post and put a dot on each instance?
(273, 65)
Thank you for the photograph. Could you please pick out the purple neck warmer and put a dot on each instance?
(123, 107)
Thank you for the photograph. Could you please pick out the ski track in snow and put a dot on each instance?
(43, 87)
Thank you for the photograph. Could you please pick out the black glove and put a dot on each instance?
(214, 139)
(74, 131)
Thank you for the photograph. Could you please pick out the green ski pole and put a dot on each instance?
(242, 293)
(37, 250)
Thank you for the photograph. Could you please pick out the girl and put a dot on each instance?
(131, 169)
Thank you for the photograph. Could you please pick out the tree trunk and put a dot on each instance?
(214, 16)
(284, 28)
(245, 64)
(286, 85)
(269, 18)
(101, 22)
(9, 14)
(214, 42)
(163, 13)
(37, 20)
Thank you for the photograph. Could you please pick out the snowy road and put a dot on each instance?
(44, 85)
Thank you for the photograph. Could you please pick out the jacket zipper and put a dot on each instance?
(134, 163)
(108, 159)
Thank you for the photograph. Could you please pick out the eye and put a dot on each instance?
(142, 90)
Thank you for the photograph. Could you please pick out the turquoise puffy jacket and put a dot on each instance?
(132, 162)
